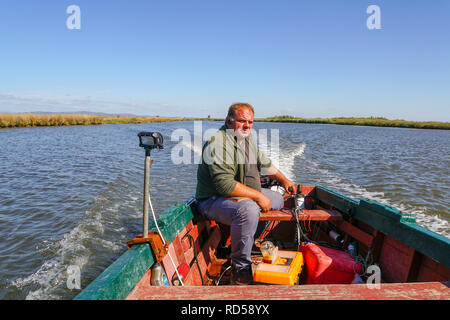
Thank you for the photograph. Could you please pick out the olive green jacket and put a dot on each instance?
(218, 172)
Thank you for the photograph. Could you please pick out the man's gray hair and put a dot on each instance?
(239, 105)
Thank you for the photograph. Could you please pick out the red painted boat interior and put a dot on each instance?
(407, 274)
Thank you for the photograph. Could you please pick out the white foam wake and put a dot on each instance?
(286, 159)
(76, 247)
(333, 181)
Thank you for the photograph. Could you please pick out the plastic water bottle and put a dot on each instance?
(158, 277)
(165, 280)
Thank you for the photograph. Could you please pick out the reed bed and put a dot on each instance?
(39, 120)
(22, 120)
(138, 119)
(372, 121)
(150, 119)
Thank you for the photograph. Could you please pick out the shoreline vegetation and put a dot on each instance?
(26, 120)
(372, 121)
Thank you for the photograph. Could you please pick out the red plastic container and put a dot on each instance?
(183, 270)
(328, 266)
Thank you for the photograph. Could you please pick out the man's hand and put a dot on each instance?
(289, 184)
(276, 174)
(242, 190)
(264, 203)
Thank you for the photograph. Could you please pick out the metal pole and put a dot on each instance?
(146, 192)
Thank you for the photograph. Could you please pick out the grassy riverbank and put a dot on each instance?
(42, 120)
(23, 120)
(376, 122)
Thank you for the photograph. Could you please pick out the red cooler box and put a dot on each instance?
(328, 266)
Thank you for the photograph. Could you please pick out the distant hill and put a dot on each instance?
(101, 114)
(90, 113)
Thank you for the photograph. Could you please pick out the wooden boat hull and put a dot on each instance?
(415, 262)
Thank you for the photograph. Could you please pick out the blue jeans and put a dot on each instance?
(243, 218)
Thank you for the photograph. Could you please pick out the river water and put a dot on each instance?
(72, 196)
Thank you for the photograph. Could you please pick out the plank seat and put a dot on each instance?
(303, 215)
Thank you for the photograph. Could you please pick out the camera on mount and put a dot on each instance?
(150, 140)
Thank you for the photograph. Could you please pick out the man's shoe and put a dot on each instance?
(241, 277)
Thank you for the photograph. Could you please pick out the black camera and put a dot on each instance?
(150, 140)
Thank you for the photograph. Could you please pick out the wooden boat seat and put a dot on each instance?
(303, 215)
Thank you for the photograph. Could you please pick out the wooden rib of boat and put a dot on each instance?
(414, 262)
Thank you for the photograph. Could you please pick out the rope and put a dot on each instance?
(164, 241)
(268, 229)
(220, 278)
(364, 262)
(305, 237)
(298, 231)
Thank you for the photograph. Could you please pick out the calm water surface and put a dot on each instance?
(73, 195)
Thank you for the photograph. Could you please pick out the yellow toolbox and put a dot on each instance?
(285, 270)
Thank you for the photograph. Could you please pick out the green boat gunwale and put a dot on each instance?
(117, 281)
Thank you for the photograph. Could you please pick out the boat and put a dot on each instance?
(414, 262)
(322, 245)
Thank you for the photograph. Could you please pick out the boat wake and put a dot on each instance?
(101, 232)
(286, 159)
(343, 185)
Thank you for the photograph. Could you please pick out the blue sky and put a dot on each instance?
(195, 58)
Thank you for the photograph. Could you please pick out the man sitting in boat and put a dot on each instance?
(229, 187)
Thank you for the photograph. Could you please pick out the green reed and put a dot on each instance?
(37, 120)
(22, 120)
(372, 121)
